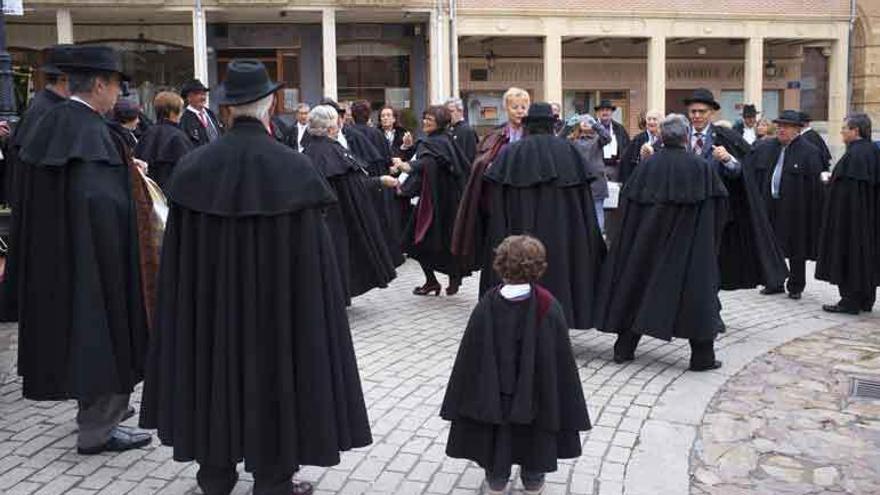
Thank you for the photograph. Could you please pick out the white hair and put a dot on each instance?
(256, 109)
(657, 114)
(674, 129)
(322, 118)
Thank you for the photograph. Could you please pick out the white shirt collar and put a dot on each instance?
(195, 110)
(515, 291)
(84, 102)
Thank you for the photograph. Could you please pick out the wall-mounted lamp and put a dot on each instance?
(770, 69)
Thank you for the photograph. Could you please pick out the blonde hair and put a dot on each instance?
(515, 92)
(654, 113)
(166, 104)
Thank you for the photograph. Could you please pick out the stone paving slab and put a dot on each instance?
(646, 413)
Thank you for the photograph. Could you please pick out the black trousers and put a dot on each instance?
(702, 351)
(797, 278)
(861, 299)
(220, 480)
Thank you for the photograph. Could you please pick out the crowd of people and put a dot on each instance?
(213, 256)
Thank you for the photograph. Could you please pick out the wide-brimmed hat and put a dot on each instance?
(702, 95)
(750, 111)
(91, 58)
(540, 112)
(805, 117)
(53, 56)
(792, 117)
(605, 104)
(246, 82)
(191, 86)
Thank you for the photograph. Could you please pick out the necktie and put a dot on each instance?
(208, 125)
(698, 145)
(776, 180)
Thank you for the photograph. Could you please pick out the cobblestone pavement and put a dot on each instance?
(646, 413)
(786, 423)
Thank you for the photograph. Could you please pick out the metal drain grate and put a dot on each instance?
(865, 389)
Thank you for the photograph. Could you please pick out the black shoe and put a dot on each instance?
(623, 359)
(769, 291)
(722, 328)
(128, 413)
(867, 309)
(121, 439)
(713, 366)
(837, 308)
(794, 295)
(302, 488)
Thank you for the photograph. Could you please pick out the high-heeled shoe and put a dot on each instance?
(427, 289)
(454, 285)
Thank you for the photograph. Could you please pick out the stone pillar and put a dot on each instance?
(837, 89)
(200, 45)
(753, 84)
(64, 25)
(328, 46)
(657, 73)
(553, 67)
(439, 68)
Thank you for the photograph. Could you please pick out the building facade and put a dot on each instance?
(410, 53)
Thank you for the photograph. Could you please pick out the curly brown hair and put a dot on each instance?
(520, 259)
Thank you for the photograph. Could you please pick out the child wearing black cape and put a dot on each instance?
(514, 396)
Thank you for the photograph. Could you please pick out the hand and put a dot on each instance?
(646, 150)
(389, 182)
(141, 164)
(402, 165)
(407, 140)
(4, 129)
(721, 154)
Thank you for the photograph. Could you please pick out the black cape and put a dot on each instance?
(848, 247)
(661, 276)
(631, 156)
(192, 127)
(283, 133)
(161, 147)
(82, 323)
(749, 254)
(813, 137)
(514, 395)
(252, 358)
(388, 205)
(437, 178)
(364, 258)
(466, 138)
(539, 186)
(15, 179)
(797, 216)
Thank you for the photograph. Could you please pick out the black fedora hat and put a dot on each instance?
(538, 112)
(91, 58)
(53, 56)
(750, 111)
(330, 102)
(805, 117)
(605, 104)
(792, 117)
(246, 82)
(702, 95)
(191, 86)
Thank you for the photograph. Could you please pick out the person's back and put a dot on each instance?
(252, 358)
(514, 396)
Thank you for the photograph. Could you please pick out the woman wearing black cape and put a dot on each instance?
(364, 258)
(436, 176)
(163, 144)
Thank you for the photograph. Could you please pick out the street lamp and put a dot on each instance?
(7, 94)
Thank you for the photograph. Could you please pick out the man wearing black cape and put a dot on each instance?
(252, 358)
(198, 121)
(44, 100)
(540, 186)
(749, 255)
(82, 314)
(364, 259)
(813, 137)
(462, 133)
(661, 277)
(787, 171)
(848, 245)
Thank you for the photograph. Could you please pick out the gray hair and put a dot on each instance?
(459, 105)
(674, 129)
(322, 118)
(860, 122)
(256, 109)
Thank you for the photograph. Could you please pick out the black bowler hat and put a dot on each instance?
(330, 102)
(540, 112)
(792, 117)
(805, 118)
(53, 56)
(91, 58)
(191, 86)
(605, 104)
(703, 95)
(246, 82)
(750, 111)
